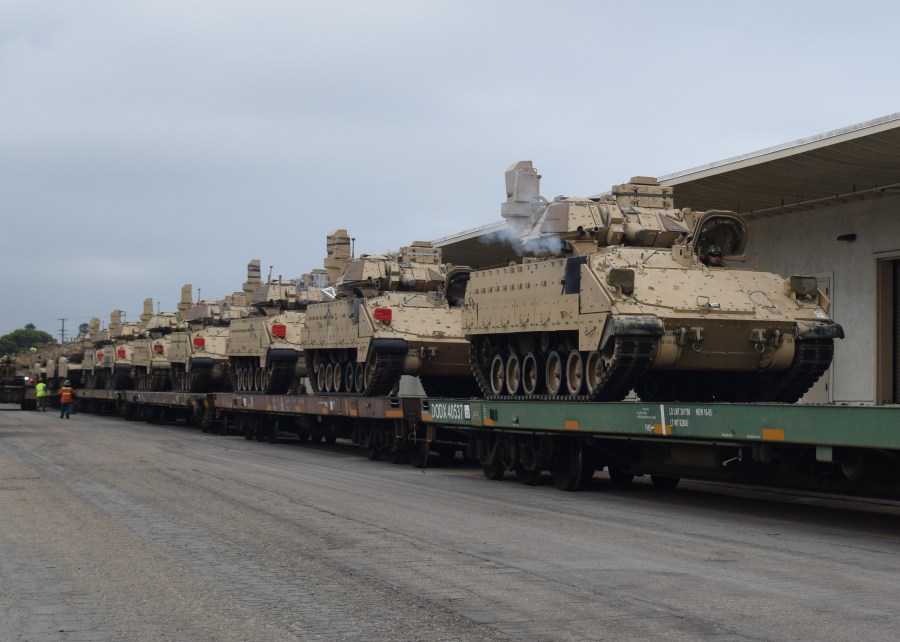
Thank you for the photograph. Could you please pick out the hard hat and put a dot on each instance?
(714, 249)
(67, 383)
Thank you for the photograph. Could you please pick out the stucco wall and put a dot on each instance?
(805, 243)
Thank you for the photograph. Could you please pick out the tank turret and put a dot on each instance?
(416, 268)
(625, 291)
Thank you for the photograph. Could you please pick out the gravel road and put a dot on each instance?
(115, 530)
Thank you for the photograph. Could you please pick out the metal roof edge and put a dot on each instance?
(824, 139)
(490, 228)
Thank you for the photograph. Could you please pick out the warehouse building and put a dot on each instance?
(826, 206)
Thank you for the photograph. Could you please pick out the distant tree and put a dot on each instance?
(24, 338)
(83, 329)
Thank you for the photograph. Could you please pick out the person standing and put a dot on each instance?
(40, 391)
(66, 399)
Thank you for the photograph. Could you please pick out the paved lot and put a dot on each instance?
(111, 530)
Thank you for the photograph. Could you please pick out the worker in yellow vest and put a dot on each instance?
(40, 391)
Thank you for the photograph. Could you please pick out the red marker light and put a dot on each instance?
(99, 356)
(279, 330)
(120, 353)
(158, 349)
(383, 314)
(200, 342)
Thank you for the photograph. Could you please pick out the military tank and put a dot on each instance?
(394, 315)
(16, 380)
(625, 292)
(197, 353)
(112, 358)
(265, 350)
(151, 368)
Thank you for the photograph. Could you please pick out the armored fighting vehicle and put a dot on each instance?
(16, 380)
(265, 350)
(625, 292)
(395, 315)
(197, 352)
(112, 365)
(151, 368)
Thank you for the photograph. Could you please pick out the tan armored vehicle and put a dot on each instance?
(92, 364)
(626, 292)
(151, 368)
(197, 353)
(111, 361)
(395, 315)
(70, 362)
(265, 350)
(16, 380)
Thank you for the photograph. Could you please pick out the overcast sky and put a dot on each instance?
(144, 145)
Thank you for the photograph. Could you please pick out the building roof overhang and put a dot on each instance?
(857, 162)
(860, 161)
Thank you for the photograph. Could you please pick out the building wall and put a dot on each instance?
(805, 243)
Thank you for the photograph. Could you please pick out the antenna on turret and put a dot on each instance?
(157, 307)
(198, 295)
(269, 280)
(352, 247)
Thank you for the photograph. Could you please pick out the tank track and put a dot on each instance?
(278, 382)
(198, 380)
(281, 376)
(632, 356)
(159, 380)
(388, 370)
(812, 357)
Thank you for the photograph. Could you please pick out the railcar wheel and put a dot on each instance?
(513, 372)
(491, 465)
(493, 471)
(527, 477)
(618, 477)
(574, 373)
(374, 443)
(553, 373)
(419, 453)
(567, 469)
(497, 374)
(663, 482)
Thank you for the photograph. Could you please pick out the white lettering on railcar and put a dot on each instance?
(457, 411)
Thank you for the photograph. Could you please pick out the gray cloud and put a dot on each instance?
(145, 145)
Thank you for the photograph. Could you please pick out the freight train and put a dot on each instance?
(615, 295)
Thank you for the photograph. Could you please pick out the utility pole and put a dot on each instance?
(62, 333)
